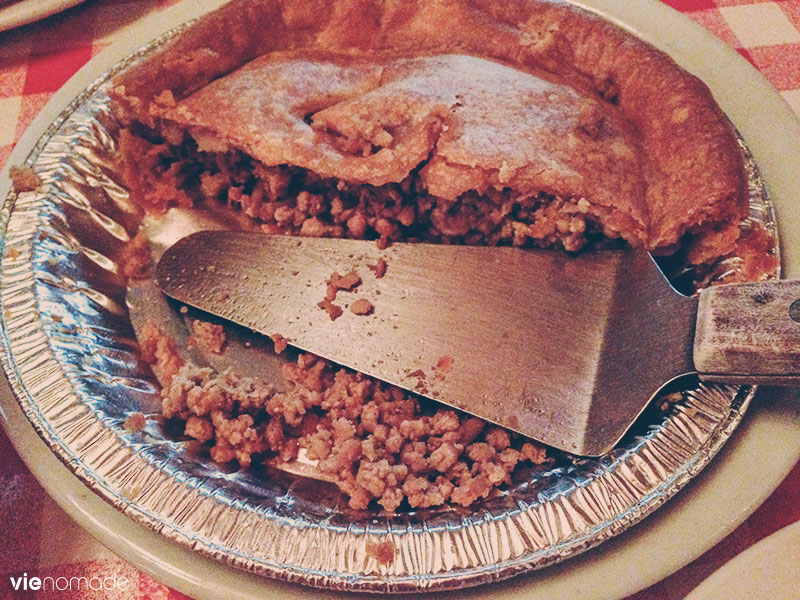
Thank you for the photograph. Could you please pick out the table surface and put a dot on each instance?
(36, 59)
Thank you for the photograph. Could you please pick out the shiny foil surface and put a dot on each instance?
(70, 353)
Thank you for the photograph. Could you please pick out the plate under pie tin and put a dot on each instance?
(73, 365)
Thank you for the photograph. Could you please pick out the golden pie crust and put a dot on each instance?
(532, 96)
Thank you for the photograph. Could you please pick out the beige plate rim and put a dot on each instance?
(761, 452)
(743, 576)
(23, 12)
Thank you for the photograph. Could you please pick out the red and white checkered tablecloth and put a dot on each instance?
(36, 59)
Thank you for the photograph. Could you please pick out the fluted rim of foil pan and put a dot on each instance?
(73, 365)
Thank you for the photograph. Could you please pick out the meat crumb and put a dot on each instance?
(443, 367)
(758, 261)
(535, 453)
(670, 399)
(336, 283)
(135, 258)
(348, 282)
(379, 268)
(332, 309)
(208, 336)
(199, 428)
(362, 306)
(383, 552)
(24, 179)
(279, 342)
(160, 352)
(134, 423)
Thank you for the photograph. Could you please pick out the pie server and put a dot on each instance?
(568, 350)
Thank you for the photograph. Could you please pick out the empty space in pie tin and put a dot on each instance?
(72, 359)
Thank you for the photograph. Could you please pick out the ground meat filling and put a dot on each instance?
(295, 201)
(378, 441)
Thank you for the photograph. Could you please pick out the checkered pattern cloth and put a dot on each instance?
(765, 33)
(35, 60)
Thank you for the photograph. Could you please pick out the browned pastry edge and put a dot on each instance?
(694, 169)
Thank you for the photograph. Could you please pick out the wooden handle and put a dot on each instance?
(749, 333)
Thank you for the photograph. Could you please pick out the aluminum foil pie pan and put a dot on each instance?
(70, 354)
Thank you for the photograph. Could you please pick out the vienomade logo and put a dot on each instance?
(24, 583)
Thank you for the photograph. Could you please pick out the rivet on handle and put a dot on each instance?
(794, 311)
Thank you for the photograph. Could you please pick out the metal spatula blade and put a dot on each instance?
(565, 349)
(497, 332)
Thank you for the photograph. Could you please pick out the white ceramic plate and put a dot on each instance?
(23, 12)
(768, 570)
(762, 451)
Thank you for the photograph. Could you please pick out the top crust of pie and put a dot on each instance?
(595, 113)
(474, 124)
